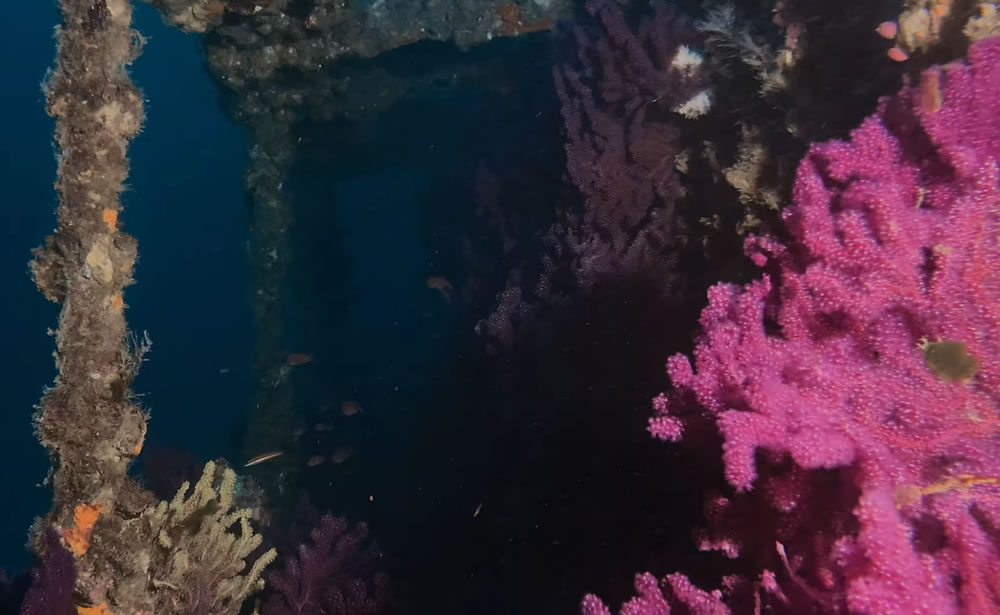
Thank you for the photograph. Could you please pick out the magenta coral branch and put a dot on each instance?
(861, 375)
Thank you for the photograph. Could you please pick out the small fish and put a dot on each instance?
(298, 358)
(441, 285)
(898, 54)
(262, 458)
(298, 432)
(887, 29)
(224, 370)
(322, 427)
(341, 455)
(315, 461)
(478, 508)
(350, 408)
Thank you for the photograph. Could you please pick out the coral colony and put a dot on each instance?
(851, 389)
(855, 384)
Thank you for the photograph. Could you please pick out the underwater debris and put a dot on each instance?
(949, 360)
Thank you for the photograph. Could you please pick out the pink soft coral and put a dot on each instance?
(856, 386)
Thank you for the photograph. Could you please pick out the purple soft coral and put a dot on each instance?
(324, 578)
(53, 582)
(863, 371)
(622, 95)
(619, 101)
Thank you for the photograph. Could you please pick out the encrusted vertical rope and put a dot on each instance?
(87, 421)
(132, 555)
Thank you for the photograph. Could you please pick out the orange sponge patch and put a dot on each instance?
(100, 609)
(78, 536)
(111, 218)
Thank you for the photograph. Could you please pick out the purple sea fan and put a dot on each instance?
(327, 576)
(52, 582)
(871, 349)
(628, 89)
(622, 101)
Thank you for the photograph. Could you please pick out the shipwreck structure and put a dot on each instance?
(134, 554)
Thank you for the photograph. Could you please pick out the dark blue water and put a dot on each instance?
(27, 171)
